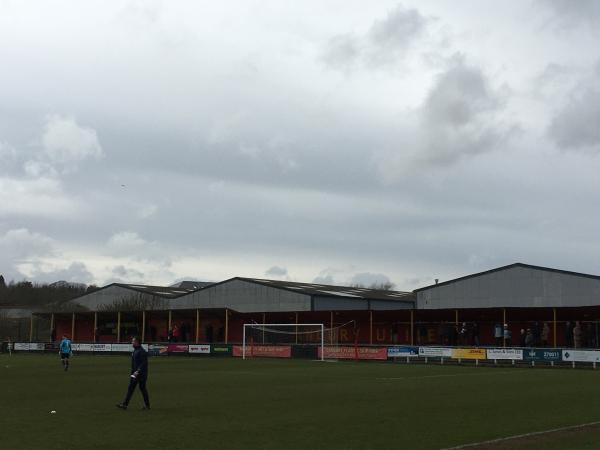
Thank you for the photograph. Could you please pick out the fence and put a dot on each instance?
(398, 353)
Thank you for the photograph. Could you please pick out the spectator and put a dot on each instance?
(545, 334)
(463, 334)
(522, 338)
(498, 334)
(536, 334)
(529, 338)
(507, 336)
(176, 334)
(587, 335)
(569, 334)
(577, 335)
(475, 334)
(422, 334)
(170, 335)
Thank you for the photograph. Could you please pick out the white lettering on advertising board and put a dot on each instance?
(199, 349)
(435, 352)
(505, 353)
(581, 355)
(21, 346)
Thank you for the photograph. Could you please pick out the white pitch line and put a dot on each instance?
(447, 375)
(525, 435)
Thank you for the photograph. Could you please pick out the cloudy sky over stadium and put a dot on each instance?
(337, 141)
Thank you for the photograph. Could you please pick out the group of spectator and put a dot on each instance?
(580, 335)
(537, 334)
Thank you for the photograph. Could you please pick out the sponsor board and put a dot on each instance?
(101, 347)
(581, 355)
(50, 346)
(21, 346)
(177, 348)
(505, 353)
(435, 352)
(220, 350)
(121, 348)
(83, 347)
(468, 353)
(537, 354)
(158, 350)
(36, 346)
(395, 352)
(340, 352)
(199, 348)
(265, 351)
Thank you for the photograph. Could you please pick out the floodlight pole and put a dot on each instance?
(95, 324)
(73, 327)
(244, 343)
(143, 325)
(554, 326)
(31, 328)
(197, 326)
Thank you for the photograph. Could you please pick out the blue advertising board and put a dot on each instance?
(402, 351)
(542, 354)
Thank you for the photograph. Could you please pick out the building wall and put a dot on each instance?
(513, 287)
(243, 296)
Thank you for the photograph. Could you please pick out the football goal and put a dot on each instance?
(275, 339)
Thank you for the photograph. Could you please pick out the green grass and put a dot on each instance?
(226, 403)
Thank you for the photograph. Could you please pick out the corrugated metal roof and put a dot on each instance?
(334, 291)
(510, 266)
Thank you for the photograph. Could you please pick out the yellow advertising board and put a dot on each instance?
(468, 353)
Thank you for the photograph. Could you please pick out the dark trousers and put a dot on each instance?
(133, 382)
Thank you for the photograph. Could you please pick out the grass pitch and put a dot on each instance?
(227, 403)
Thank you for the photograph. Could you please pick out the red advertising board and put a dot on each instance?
(265, 351)
(177, 348)
(354, 353)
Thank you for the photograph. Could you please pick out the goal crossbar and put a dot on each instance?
(265, 326)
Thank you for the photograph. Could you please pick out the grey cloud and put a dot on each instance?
(385, 42)
(76, 272)
(324, 279)
(572, 14)
(276, 272)
(367, 279)
(391, 36)
(127, 275)
(22, 247)
(577, 125)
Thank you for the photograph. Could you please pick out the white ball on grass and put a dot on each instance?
(52, 412)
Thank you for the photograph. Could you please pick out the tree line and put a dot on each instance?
(40, 295)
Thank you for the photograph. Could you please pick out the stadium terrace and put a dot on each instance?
(467, 311)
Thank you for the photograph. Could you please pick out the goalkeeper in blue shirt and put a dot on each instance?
(65, 352)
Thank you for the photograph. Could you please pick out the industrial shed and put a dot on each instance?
(258, 295)
(514, 286)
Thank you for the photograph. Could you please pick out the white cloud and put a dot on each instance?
(147, 211)
(21, 246)
(39, 197)
(125, 241)
(66, 143)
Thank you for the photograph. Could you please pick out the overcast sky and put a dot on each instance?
(336, 141)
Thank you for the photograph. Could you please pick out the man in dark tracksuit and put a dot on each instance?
(139, 374)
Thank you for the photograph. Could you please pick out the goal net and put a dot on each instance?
(277, 339)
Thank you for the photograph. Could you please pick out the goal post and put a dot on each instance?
(278, 334)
